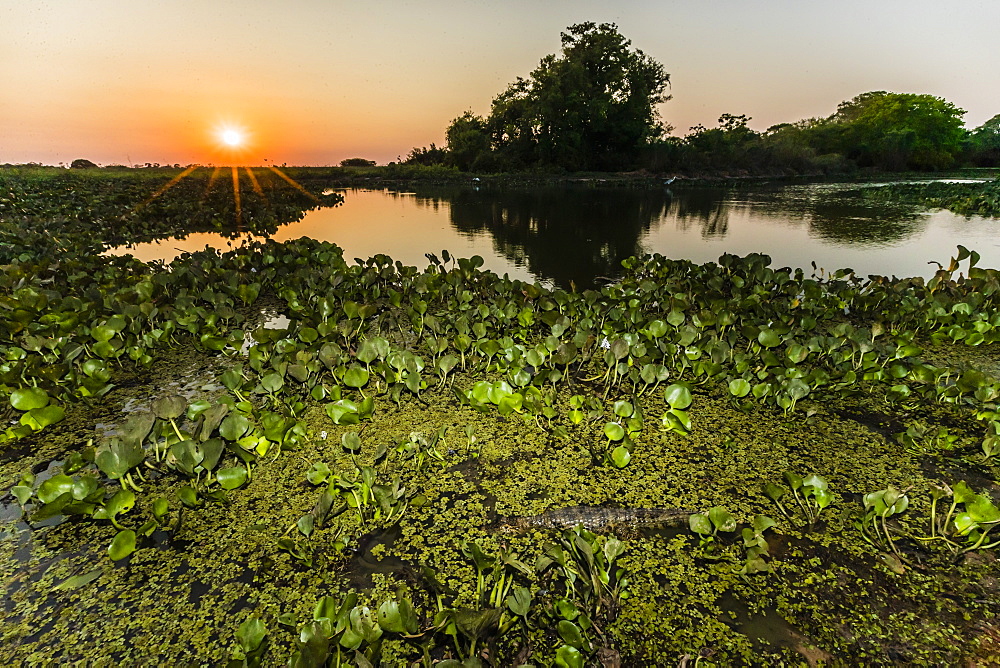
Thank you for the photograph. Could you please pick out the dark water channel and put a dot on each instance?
(559, 234)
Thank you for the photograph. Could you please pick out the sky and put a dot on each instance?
(312, 82)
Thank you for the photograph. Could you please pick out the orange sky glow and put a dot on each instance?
(312, 82)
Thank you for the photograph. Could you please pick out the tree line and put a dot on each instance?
(594, 108)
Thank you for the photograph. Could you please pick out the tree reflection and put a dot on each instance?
(566, 235)
(579, 233)
(851, 223)
(705, 207)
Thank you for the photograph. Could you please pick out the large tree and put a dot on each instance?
(897, 131)
(468, 142)
(985, 143)
(593, 107)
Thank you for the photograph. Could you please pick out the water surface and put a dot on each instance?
(564, 234)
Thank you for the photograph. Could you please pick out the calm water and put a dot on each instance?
(576, 233)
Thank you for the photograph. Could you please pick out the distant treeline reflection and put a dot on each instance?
(576, 235)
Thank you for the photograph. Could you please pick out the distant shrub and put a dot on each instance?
(82, 163)
(357, 162)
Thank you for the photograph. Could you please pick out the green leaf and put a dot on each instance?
(306, 524)
(40, 418)
(160, 508)
(762, 523)
(519, 602)
(22, 493)
(77, 581)
(768, 338)
(623, 409)
(318, 473)
(356, 376)
(168, 408)
(122, 545)
(54, 487)
(982, 510)
(54, 508)
(118, 458)
(25, 399)
(231, 478)
(137, 427)
(510, 403)
(774, 491)
(613, 548)
(211, 420)
(797, 389)
(700, 524)
(366, 408)
(351, 441)
(476, 624)
(272, 382)
(570, 633)
(212, 451)
(739, 388)
(234, 426)
(185, 456)
(722, 519)
(678, 396)
(250, 635)
(122, 502)
(620, 456)
(568, 656)
(188, 497)
(398, 617)
(815, 481)
(794, 480)
(677, 420)
(614, 431)
(343, 411)
(963, 494)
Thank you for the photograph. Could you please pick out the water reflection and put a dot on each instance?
(840, 216)
(571, 235)
(231, 202)
(561, 235)
(705, 209)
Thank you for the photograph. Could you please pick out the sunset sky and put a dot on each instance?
(312, 82)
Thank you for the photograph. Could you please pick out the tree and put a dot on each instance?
(898, 131)
(357, 162)
(422, 155)
(82, 163)
(725, 146)
(594, 107)
(467, 141)
(985, 143)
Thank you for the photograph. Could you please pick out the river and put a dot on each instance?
(563, 235)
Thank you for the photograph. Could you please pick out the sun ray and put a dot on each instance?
(211, 182)
(294, 184)
(167, 186)
(256, 185)
(236, 194)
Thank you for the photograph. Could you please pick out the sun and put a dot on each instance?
(232, 137)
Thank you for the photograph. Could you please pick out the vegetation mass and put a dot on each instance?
(595, 108)
(272, 454)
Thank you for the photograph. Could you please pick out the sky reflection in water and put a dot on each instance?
(563, 234)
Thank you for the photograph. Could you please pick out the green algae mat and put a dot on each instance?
(273, 456)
